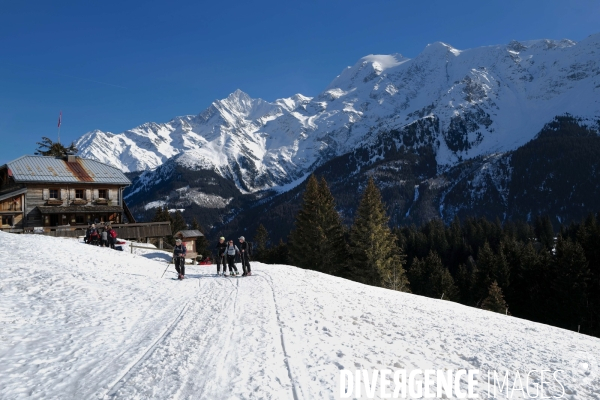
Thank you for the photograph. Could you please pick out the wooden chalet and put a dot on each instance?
(42, 193)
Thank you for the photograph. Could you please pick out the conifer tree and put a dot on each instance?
(334, 249)
(495, 300)
(305, 245)
(201, 242)
(491, 267)
(527, 289)
(466, 281)
(160, 215)
(49, 148)
(571, 277)
(440, 283)
(280, 254)
(429, 277)
(417, 275)
(317, 242)
(375, 256)
(177, 224)
(544, 231)
(261, 238)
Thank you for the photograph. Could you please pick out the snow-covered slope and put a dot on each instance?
(483, 100)
(81, 322)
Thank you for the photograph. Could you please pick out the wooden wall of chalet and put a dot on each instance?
(38, 195)
(9, 208)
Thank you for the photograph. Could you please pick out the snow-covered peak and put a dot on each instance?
(367, 68)
(483, 100)
(291, 103)
(440, 48)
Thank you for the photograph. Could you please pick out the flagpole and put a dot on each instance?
(59, 121)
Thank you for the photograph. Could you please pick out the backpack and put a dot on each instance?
(250, 247)
(113, 234)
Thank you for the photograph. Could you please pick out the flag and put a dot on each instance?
(59, 118)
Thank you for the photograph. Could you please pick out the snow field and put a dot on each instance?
(82, 322)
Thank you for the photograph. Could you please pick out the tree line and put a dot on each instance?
(524, 269)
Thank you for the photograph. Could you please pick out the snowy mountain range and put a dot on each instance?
(476, 102)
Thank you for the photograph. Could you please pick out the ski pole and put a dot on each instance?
(163, 274)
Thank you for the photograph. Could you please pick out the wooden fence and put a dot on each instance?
(124, 231)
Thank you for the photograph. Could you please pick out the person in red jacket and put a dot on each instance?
(112, 237)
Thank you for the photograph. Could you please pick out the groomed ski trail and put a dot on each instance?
(204, 353)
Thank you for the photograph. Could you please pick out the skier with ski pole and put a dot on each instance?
(179, 253)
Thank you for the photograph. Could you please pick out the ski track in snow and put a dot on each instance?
(81, 322)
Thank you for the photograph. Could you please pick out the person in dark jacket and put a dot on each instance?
(221, 246)
(231, 251)
(245, 256)
(179, 253)
(88, 231)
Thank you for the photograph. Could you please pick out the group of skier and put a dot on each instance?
(226, 255)
(102, 235)
(227, 251)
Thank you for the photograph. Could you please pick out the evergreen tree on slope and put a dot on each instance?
(334, 253)
(495, 300)
(317, 241)
(570, 281)
(375, 256)
(435, 279)
(305, 244)
(261, 238)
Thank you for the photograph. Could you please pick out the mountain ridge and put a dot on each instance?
(485, 98)
(447, 111)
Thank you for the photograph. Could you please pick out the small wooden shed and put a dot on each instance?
(188, 237)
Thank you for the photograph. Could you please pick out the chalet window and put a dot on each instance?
(54, 194)
(79, 194)
(79, 219)
(7, 220)
(102, 194)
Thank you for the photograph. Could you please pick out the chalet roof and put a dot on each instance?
(78, 209)
(58, 170)
(13, 193)
(189, 233)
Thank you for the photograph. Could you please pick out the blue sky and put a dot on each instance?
(114, 65)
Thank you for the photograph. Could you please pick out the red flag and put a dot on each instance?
(59, 118)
